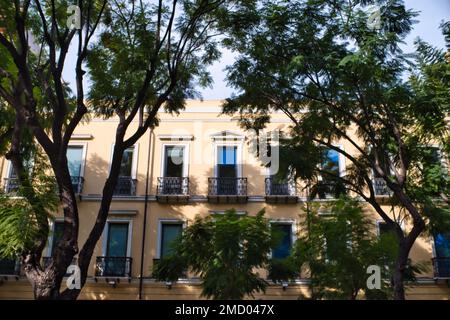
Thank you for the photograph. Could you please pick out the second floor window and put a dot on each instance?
(126, 166)
(227, 170)
(331, 163)
(74, 159)
(173, 161)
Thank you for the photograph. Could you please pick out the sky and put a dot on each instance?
(431, 13)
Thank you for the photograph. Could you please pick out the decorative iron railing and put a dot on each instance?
(9, 267)
(77, 184)
(280, 188)
(227, 186)
(441, 267)
(173, 186)
(46, 261)
(126, 186)
(113, 267)
(380, 187)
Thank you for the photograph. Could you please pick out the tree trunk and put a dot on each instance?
(398, 276)
(85, 255)
(405, 245)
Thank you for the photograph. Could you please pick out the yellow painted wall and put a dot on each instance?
(201, 120)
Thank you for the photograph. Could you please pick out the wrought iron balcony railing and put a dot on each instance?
(9, 267)
(113, 267)
(126, 186)
(441, 267)
(280, 188)
(77, 183)
(227, 186)
(168, 186)
(11, 185)
(380, 187)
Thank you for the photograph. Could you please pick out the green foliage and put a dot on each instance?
(283, 270)
(19, 215)
(223, 250)
(337, 248)
(132, 47)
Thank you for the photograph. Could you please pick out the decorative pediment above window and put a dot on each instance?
(227, 135)
(176, 137)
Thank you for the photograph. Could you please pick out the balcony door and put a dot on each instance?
(75, 161)
(283, 233)
(58, 229)
(174, 169)
(116, 248)
(11, 183)
(227, 170)
(125, 183)
(170, 232)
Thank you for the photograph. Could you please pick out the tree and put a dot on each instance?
(337, 248)
(337, 78)
(224, 251)
(165, 46)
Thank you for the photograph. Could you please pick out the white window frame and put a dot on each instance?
(52, 224)
(134, 162)
(186, 154)
(294, 230)
(9, 169)
(106, 232)
(159, 234)
(83, 154)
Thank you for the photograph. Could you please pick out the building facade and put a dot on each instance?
(195, 163)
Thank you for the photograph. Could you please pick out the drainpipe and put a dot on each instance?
(144, 225)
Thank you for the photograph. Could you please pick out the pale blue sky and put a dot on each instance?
(432, 12)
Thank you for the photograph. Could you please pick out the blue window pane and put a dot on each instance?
(332, 161)
(227, 155)
(74, 158)
(117, 240)
(282, 232)
(170, 233)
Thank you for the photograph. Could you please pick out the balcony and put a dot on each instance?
(380, 187)
(113, 267)
(280, 191)
(11, 185)
(9, 267)
(441, 268)
(172, 190)
(227, 190)
(126, 186)
(77, 184)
